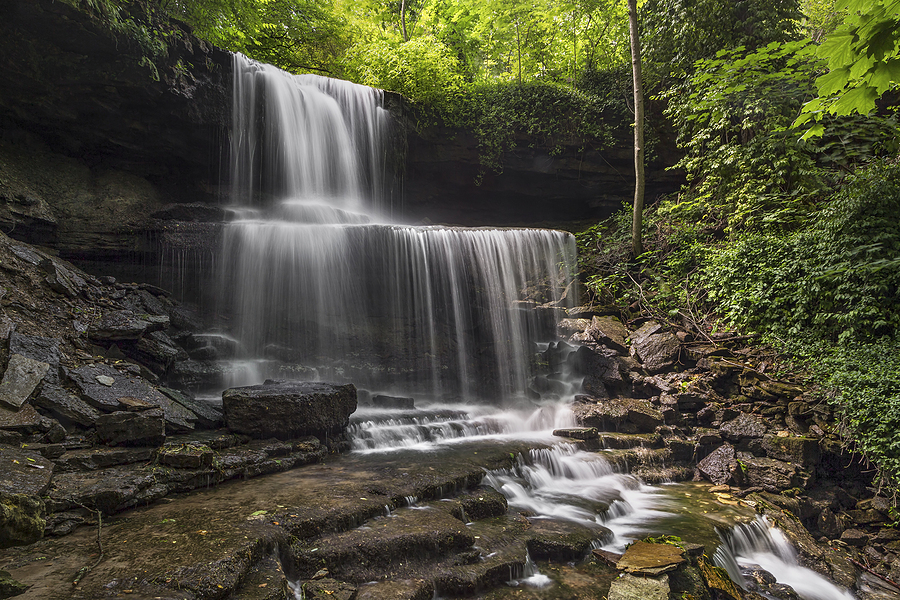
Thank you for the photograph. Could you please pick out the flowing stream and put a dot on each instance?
(318, 282)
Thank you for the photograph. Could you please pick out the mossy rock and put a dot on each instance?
(9, 587)
(21, 519)
(717, 579)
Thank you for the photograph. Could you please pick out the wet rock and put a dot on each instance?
(800, 450)
(289, 409)
(208, 416)
(626, 415)
(656, 352)
(721, 466)
(629, 587)
(855, 537)
(609, 331)
(145, 428)
(328, 589)
(562, 541)
(718, 581)
(480, 504)
(382, 401)
(21, 378)
(104, 387)
(682, 450)
(108, 490)
(185, 456)
(194, 211)
(773, 475)
(743, 427)
(644, 558)
(43, 349)
(197, 375)
(91, 459)
(158, 351)
(578, 433)
(409, 536)
(24, 472)
(403, 589)
(117, 325)
(62, 279)
(25, 421)
(567, 327)
(21, 519)
(66, 406)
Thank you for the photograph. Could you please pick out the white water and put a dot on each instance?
(319, 283)
(314, 276)
(761, 543)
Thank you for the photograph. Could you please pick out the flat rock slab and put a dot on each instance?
(43, 349)
(289, 409)
(651, 559)
(66, 406)
(26, 420)
(21, 378)
(144, 428)
(403, 589)
(110, 390)
(117, 325)
(24, 472)
(629, 587)
(205, 544)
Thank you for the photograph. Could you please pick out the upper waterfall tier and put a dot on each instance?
(306, 137)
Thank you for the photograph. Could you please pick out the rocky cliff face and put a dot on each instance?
(98, 131)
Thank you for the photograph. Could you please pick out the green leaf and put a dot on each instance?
(816, 130)
(837, 50)
(833, 81)
(881, 79)
(860, 99)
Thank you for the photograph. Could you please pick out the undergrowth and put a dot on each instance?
(826, 293)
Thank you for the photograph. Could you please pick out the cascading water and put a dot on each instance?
(313, 277)
(760, 544)
(317, 282)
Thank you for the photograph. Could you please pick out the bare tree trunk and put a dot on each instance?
(519, 50)
(403, 19)
(637, 246)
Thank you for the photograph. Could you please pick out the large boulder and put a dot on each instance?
(657, 350)
(721, 466)
(289, 409)
(625, 415)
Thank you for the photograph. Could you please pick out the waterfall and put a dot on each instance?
(315, 280)
(761, 544)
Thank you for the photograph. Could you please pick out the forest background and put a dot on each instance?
(788, 228)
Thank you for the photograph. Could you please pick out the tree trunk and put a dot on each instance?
(637, 246)
(519, 50)
(403, 19)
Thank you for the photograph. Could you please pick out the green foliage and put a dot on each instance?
(550, 115)
(676, 33)
(836, 279)
(863, 60)
(743, 163)
(866, 377)
(422, 69)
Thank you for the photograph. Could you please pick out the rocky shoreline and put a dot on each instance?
(90, 429)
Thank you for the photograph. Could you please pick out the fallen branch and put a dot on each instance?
(871, 572)
(83, 571)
